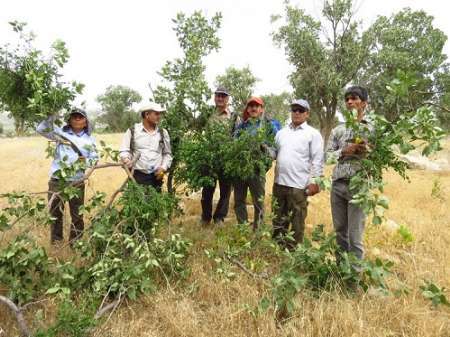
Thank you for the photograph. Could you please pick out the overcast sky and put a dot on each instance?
(127, 42)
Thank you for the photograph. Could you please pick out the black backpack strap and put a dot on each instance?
(72, 145)
(161, 141)
(131, 139)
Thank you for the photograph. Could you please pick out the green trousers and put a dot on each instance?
(289, 208)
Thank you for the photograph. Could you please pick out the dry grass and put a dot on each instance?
(213, 307)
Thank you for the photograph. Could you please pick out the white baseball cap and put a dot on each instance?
(152, 106)
(302, 102)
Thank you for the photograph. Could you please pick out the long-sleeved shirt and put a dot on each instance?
(229, 119)
(252, 126)
(154, 152)
(65, 153)
(340, 138)
(300, 155)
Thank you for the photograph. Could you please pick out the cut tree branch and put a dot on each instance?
(111, 306)
(241, 266)
(21, 323)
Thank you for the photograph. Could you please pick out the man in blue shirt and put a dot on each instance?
(253, 120)
(74, 143)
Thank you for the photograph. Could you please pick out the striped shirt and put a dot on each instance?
(340, 138)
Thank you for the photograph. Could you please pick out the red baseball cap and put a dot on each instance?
(255, 99)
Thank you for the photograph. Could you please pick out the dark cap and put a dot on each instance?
(78, 111)
(357, 90)
(221, 90)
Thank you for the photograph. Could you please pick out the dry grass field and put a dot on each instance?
(214, 307)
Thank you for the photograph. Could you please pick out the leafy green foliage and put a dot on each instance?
(408, 48)
(312, 266)
(336, 52)
(436, 190)
(385, 139)
(405, 234)
(213, 153)
(202, 154)
(434, 293)
(24, 269)
(185, 91)
(246, 157)
(255, 250)
(278, 106)
(240, 83)
(125, 253)
(30, 83)
(71, 320)
(332, 60)
(116, 104)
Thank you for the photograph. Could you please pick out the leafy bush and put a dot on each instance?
(213, 153)
(312, 266)
(71, 320)
(434, 293)
(24, 269)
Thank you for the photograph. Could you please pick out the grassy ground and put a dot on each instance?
(214, 307)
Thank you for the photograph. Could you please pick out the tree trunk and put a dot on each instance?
(19, 125)
(170, 187)
(325, 130)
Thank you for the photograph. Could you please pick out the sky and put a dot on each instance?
(127, 42)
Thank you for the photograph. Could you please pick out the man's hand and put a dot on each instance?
(127, 162)
(159, 173)
(354, 148)
(312, 189)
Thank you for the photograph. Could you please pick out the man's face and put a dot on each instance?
(355, 102)
(77, 122)
(153, 117)
(299, 114)
(221, 101)
(254, 110)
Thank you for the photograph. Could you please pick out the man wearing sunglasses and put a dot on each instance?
(348, 218)
(299, 155)
(153, 145)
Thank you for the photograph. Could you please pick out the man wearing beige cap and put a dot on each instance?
(153, 145)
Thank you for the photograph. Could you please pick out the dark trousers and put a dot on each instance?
(222, 206)
(257, 187)
(289, 207)
(57, 212)
(148, 179)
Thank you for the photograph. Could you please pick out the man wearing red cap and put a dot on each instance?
(252, 120)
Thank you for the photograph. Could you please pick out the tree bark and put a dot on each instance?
(22, 324)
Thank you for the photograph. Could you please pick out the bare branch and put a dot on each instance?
(111, 306)
(241, 266)
(438, 106)
(21, 323)
(29, 304)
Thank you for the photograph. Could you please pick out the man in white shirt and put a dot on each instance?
(153, 144)
(299, 155)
